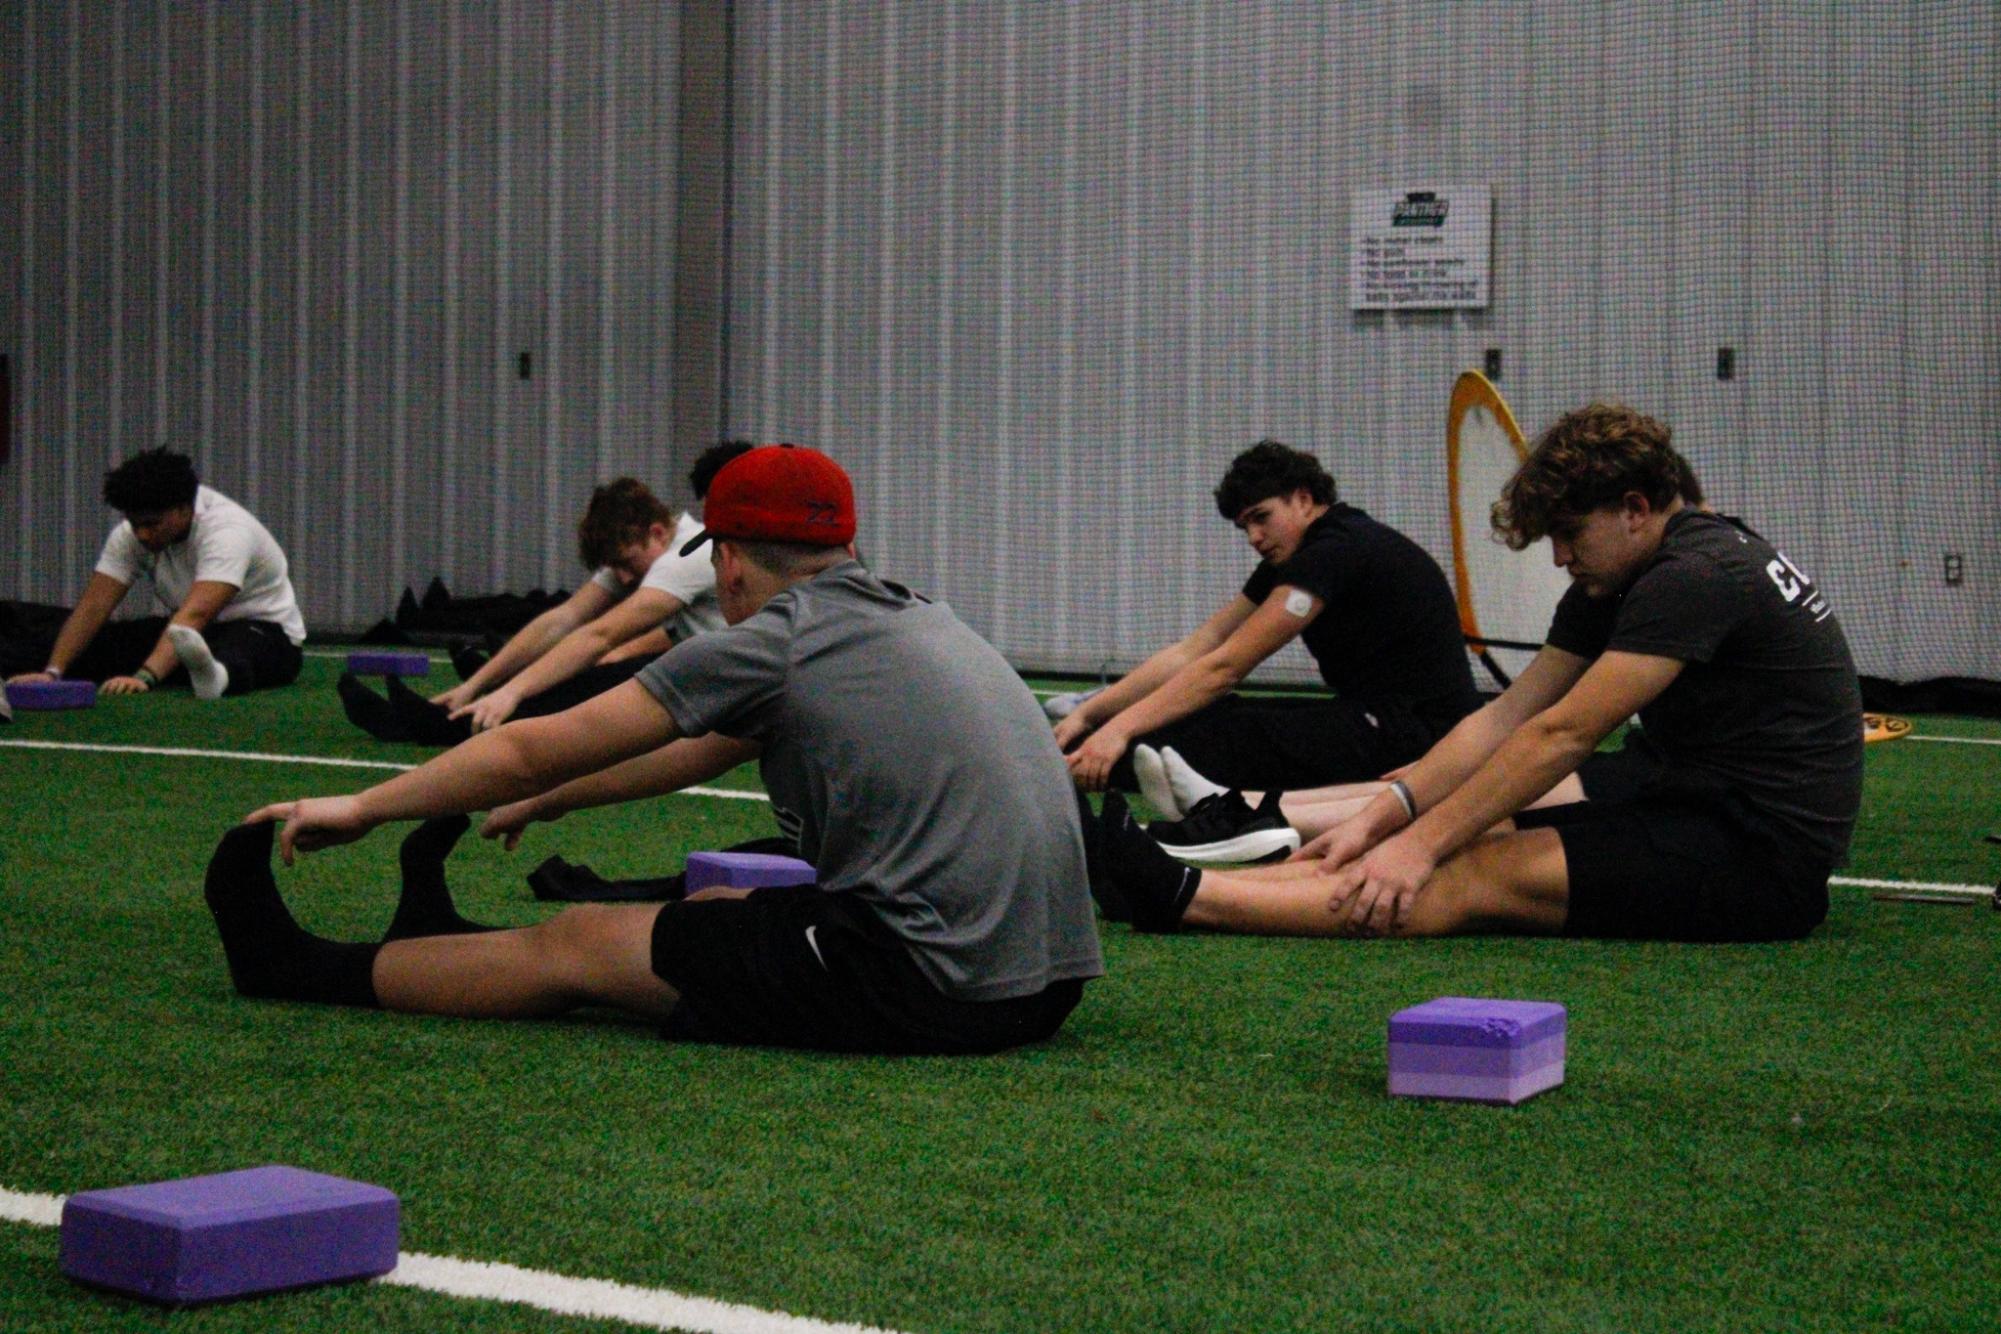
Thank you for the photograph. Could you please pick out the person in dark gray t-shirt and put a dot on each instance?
(1731, 810)
(951, 913)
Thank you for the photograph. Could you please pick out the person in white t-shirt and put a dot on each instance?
(642, 597)
(231, 619)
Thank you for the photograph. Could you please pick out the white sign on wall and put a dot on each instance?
(1420, 247)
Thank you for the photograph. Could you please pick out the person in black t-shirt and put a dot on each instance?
(1727, 818)
(1370, 605)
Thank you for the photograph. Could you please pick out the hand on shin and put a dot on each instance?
(1338, 846)
(1071, 730)
(1091, 763)
(1378, 890)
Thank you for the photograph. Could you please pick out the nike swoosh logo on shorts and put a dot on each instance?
(814, 945)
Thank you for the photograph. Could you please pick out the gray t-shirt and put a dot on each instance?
(917, 769)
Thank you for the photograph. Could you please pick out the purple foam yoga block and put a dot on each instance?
(1477, 1050)
(228, 1235)
(745, 870)
(52, 695)
(389, 664)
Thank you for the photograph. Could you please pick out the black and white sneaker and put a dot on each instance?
(1224, 828)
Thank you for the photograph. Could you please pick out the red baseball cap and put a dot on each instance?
(780, 493)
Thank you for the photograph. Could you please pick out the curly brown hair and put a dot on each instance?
(1270, 468)
(618, 516)
(1587, 460)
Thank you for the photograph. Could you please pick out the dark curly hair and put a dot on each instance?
(618, 516)
(152, 482)
(710, 462)
(1587, 460)
(1269, 469)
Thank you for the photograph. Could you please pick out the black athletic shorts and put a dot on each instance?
(800, 966)
(1680, 859)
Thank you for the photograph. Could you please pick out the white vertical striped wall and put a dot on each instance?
(307, 243)
(1034, 271)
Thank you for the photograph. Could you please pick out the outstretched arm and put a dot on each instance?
(649, 645)
(676, 765)
(204, 600)
(1440, 771)
(493, 768)
(101, 597)
(581, 647)
(1262, 630)
(530, 642)
(1148, 677)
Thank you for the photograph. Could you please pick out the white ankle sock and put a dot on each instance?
(208, 677)
(1153, 784)
(1188, 786)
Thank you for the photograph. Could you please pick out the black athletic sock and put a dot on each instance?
(1158, 886)
(368, 710)
(422, 721)
(1111, 898)
(270, 955)
(426, 907)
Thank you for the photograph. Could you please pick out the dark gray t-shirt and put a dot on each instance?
(915, 766)
(1767, 699)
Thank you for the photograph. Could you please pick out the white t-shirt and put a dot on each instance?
(691, 579)
(225, 545)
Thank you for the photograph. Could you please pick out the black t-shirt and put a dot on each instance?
(1767, 698)
(1388, 629)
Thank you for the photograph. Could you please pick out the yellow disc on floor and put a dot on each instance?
(1882, 727)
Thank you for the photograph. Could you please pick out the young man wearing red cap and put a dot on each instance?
(951, 912)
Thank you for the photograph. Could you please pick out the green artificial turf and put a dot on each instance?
(1798, 1137)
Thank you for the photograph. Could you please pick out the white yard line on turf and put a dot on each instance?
(20, 1207)
(1931, 886)
(649, 1308)
(257, 757)
(1958, 740)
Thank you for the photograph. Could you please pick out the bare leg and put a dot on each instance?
(1513, 882)
(592, 954)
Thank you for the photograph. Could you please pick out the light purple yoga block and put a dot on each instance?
(745, 870)
(1475, 1050)
(389, 664)
(30, 695)
(200, 1239)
